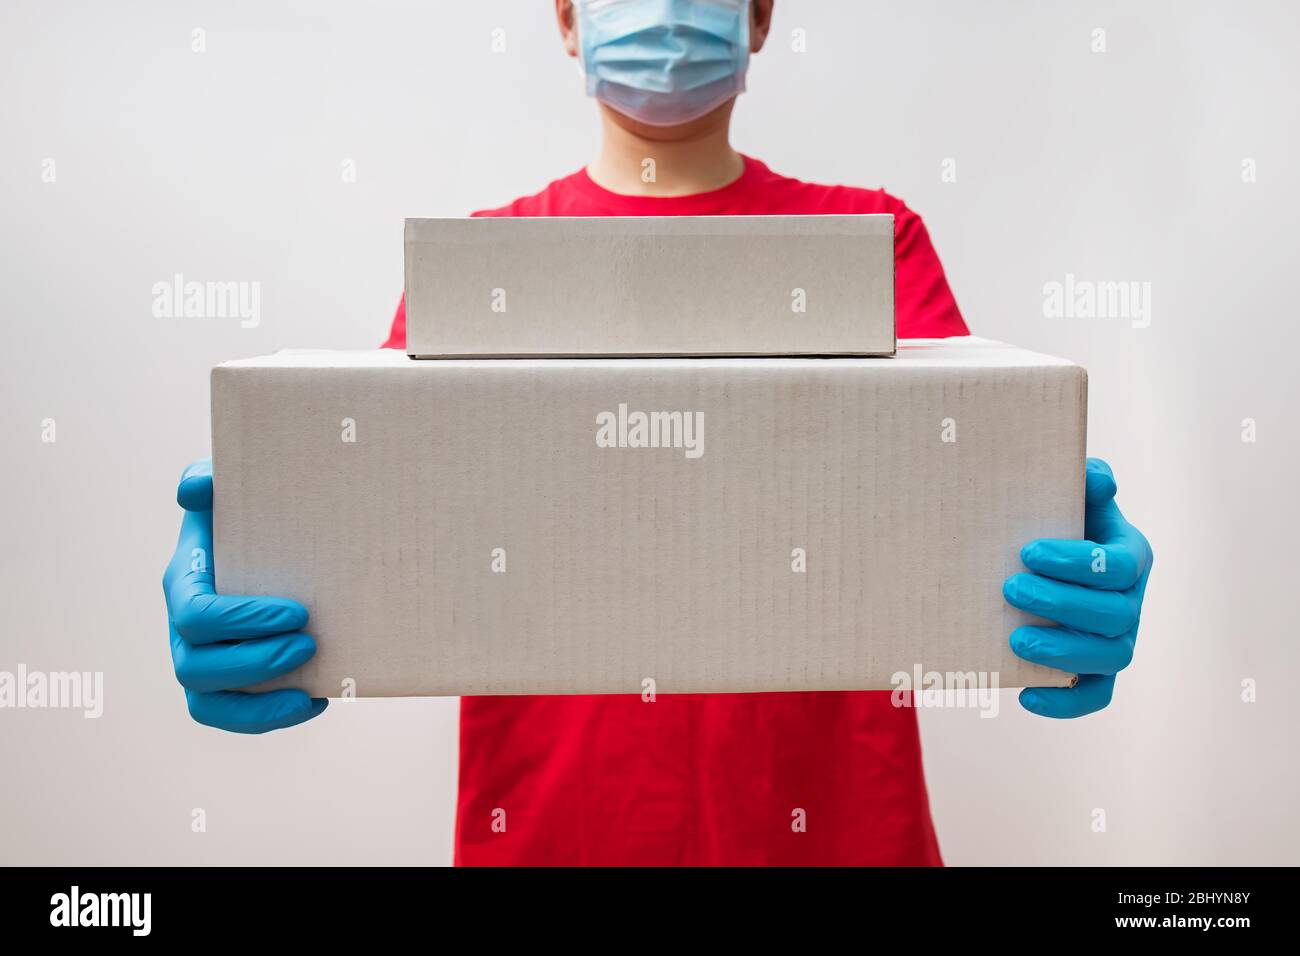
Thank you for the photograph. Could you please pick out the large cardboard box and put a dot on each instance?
(650, 285)
(583, 526)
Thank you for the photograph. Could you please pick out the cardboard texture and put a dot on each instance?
(495, 528)
(650, 285)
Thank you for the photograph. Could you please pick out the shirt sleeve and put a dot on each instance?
(397, 334)
(923, 302)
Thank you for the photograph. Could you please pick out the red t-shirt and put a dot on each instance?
(692, 778)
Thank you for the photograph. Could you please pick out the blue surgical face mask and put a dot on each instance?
(664, 62)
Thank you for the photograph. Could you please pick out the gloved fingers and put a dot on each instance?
(203, 617)
(242, 713)
(199, 613)
(194, 492)
(1108, 613)
(199, 617)
(194, 545)
(194, 606)
(191, 564)
(227, 666)
(1074, 651)
(1110, 567)
(1103, 521)
(1098, 482)
(1091, 694)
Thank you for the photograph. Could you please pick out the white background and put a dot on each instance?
(225, 165)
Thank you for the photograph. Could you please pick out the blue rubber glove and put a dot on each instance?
(1093, 589)
(220, 642)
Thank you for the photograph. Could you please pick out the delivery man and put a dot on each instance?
(783, 778)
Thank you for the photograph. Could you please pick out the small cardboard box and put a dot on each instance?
(650, 286)
(581, 526)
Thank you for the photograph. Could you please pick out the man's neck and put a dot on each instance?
(639, 160)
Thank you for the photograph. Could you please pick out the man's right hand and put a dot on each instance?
(221, 643)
